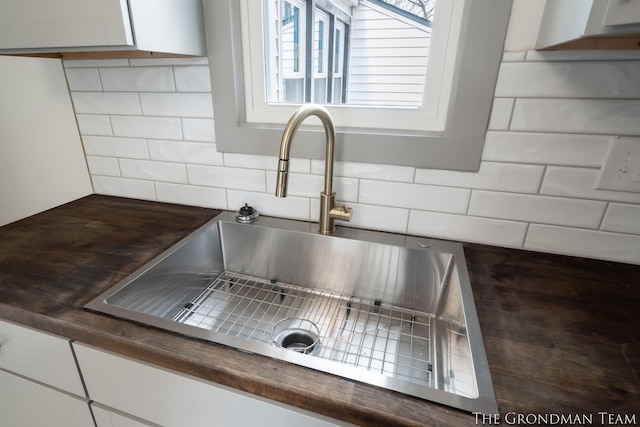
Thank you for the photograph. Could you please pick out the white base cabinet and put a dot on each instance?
(171, 399)
(28, 404)
(39, 381)
(39, 356)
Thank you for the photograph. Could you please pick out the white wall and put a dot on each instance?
(41, 160)
(149, 132)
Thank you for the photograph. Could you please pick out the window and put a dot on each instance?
(446, 129)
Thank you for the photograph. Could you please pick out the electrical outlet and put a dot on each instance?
(621, 169)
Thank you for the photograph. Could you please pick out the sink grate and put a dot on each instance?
(368, 335)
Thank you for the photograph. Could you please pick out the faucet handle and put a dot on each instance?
(342, 213)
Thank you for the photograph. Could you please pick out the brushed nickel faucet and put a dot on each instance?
(328, 210)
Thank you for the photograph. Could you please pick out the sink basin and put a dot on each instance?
(389, 310)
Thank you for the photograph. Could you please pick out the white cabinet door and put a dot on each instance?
(42, 357)
(52, 23)
(621, 12)
(27, 404)
(594, 23)
(73, 26)
(171, 399)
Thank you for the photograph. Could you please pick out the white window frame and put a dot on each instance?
(324, 18)
(455, 131)
(429, 116)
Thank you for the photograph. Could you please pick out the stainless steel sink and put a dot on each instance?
(385, 309)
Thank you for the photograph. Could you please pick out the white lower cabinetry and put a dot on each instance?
(25, 403)
(170, 399)
(39, 381)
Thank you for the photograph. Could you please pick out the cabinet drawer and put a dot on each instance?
(25, 403)
(172, 399)
(39, 356)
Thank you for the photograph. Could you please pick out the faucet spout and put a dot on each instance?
(328, 210)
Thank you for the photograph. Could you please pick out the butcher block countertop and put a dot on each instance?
(562, 334)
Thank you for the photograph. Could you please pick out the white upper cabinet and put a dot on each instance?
(590, 24)
(168, 27)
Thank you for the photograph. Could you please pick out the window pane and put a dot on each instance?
(388, 53)
(293, 91)
(319, 57)
(320, 90)
(337, 90)
(388, 57)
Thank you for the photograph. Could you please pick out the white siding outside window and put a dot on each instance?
(388, 58)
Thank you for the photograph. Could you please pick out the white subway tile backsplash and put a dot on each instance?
(598, 116)
(501, 113)
(367, 170)
(268, 204)
(147, 127)
(153, 170)
(569, 80)
(491, 176)
(151, 120)
(133, 148)
(83, 79)
(94, 124)
(136, 79)
(199, 105)
(588, 243)
(203, 153)
(414, 196)
(546, 148)
(580, 183)
(106, 103)
(123, 187)
(538, 209)
(270, 163)
(103, 166)
(467, 228)
(207, 197)
(622, 218)
(192, 79)
(199, 129)
(224, 177)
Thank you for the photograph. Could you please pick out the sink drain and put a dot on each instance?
(299, 335)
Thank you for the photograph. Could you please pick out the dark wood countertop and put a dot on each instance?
(561, 333)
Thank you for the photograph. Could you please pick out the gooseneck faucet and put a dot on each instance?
(328, 210)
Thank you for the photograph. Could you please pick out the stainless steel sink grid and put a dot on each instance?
(390, 310)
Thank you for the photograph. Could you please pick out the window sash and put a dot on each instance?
(431, 115)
